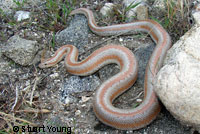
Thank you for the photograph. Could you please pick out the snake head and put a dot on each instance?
(45, 64)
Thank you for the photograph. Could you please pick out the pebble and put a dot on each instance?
(107, 9)
(78, 112)
(21, 15)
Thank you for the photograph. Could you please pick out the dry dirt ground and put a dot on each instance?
(30, 96)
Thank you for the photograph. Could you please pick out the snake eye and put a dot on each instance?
(45, 64)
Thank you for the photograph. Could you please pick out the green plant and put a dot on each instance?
(2, 36)
(55, 15)
(171, 12)
(12, 63)
(2, 12)
(3, 132)
(74, 124)
(176, 18)
(53, 40)
(19, 4)
(136, 104)
(122, 14)
(3, 15)
(59, 10)
(6, 18)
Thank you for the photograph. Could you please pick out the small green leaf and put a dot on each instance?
(131, 6)
(53, 40)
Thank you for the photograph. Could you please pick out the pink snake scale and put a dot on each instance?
(124, 119)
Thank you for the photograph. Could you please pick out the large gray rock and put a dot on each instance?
(20, 50)
(178, 82)
(76, 34)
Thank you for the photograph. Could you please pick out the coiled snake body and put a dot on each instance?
(118, 118)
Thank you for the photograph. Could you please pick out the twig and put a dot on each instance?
(16, 98)
(8, 123)
(138, 95)
(16, 118)
(34, 88)
(33, 111)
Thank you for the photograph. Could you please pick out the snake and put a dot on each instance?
(119, 118)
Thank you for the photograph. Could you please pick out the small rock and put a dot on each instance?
(84, 105)
(28, 83)
(139, 100)
(96, 2)
(21, 15)
(196, 14)
(67, 100)
(78, 112)
(57, 81)
(55, 75)
(129, 131)
(107, 9)
(197, 8)
(177, 83)
(141, 10)
(121, 39)
(85, 99)
(20, 50)
(160, 4)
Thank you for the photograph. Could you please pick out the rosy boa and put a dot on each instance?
(124, 119)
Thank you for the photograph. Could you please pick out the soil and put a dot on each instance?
(46, 85)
